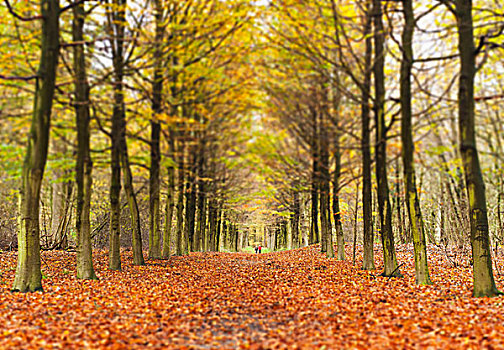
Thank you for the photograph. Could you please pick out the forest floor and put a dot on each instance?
(292, 299)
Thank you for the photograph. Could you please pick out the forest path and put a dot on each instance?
(289, 299)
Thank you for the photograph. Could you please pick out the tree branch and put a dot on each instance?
(18, 16)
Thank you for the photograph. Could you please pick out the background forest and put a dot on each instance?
(207, 125)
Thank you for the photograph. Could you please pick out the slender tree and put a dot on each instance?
(384, 207)
(325, 198)
(367, 210)
(315, 183)
(116, 23)
(84, 168)
(155, 152)
(484, 284)
(412, 201)
(28, 274)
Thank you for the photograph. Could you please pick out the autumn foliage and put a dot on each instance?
(291, 299)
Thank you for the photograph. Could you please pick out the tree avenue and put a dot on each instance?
(367, 129)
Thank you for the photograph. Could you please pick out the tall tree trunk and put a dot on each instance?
(170, 203)
(199, 217)
(61, 203)
(180, 202)
(367, 208)
(484, 284)
(340, 239)
(412, 202)
(138, 258)
(218, 232)
(225, 232)
(314, 229)
(295, 220)
(202, 221)
(200, 202)
(356, 217)
(384, 207)
(28, 274)
(155, 152)
(61, 208)
(325, 188)
(191, 206)
(83, 174)
(235, 237)
(397, 204)
(116, 23)
(212, 220)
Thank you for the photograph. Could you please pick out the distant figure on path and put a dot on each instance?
(259, 249)
(256, 248)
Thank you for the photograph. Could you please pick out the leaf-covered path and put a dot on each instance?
(295, 299)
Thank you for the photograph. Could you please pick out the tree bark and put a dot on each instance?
(212, 220)
(295, 220)
(155, 152)
(138, 258)
(180, 202)
(116, 23)
(314, 229)
(384, 207)
(190, 213)
(412, 201)
(325, 188)
(83, 174)
(28, 274)
(170, 200)
(484, 284)
(340, 239)
(367, 208)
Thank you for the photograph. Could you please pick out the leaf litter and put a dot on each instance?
(294, 299)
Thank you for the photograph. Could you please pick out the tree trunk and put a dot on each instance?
(61, 212)
(484, 284)
(212, 220)
(116, 22)
(367, 208)
(218, 232)
(225, 232)
(119, 22)
(356, 217)
(28, 274)
(61, 204)
(340, 239)
(412, 201)
(295, 220)
(314, 229)
(170, 204)
(202, 222)
(384, 208)
(83, 174)
(138, 258)
(325, 188)
(199, 217)
(191, 208)
(155, 153)
(180, 202)
(200, 202)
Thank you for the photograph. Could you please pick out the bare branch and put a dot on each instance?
(18, 16)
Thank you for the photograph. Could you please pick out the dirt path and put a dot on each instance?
(296, 299)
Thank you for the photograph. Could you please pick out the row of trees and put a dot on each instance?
(335, 62)
(229, 121)
(168, 76)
